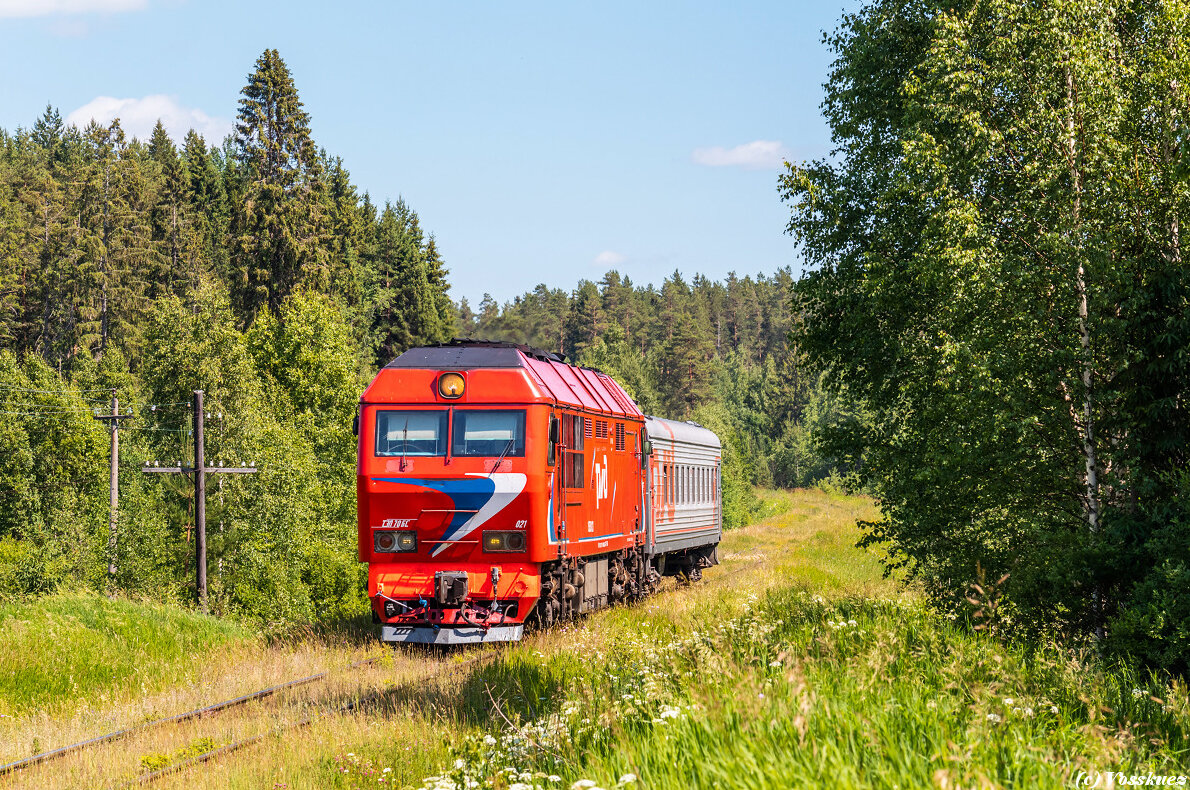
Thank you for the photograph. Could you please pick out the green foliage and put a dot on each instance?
(254, 272)
(1000, 283)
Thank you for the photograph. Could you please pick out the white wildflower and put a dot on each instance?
(994, 718)
(582, 784)
(1053, 708)
(554, 778)
(1137, 693)
(627, 779)
(1009, 701)
(489, 740)
(520, 786)
(459, 764)
(852, 623)
(1028, 713)
(776, 663)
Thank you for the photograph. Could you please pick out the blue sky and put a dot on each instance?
(540, 142)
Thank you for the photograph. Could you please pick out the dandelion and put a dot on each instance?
(1137, 693)
(993, 718)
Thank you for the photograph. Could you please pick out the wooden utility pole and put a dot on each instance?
(200, 470)
(113, 421)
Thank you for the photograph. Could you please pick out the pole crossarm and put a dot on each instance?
(185, 470)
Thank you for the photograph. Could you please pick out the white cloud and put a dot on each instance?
(756, 155)
(28, 8)
(608, 258)
(139, 116)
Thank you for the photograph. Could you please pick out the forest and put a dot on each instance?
(989, 335)
(253, 269)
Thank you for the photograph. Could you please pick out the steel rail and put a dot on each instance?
(305, 721)
(207, 710)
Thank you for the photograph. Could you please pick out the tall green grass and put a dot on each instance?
(825, 675)
(74, 648)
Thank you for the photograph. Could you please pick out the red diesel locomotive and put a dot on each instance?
(498, 484)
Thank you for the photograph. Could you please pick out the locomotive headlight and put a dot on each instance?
(388, 541)
(451, 385)
(501, 540)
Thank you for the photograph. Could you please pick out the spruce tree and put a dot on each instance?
(278, 223)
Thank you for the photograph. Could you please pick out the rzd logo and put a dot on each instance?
(600, 473)
(397, 523)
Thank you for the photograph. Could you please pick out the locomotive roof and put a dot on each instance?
(468, 353)
(585, 388)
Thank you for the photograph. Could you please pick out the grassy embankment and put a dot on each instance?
(793, 664)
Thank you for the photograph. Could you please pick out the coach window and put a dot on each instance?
(403, 433)
(488, 434)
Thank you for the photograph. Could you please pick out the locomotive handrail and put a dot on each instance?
(447, 510)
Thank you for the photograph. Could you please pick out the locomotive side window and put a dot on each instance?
(554, 437)
(400, 433)
(488, 434)
(573, 468)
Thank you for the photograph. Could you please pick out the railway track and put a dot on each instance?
(244, 743)
(208, 710)
(15, 768)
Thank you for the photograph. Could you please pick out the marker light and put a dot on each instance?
(500, 540)
(450, 385)
(388, 541)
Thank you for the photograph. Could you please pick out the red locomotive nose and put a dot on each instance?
(498, 484)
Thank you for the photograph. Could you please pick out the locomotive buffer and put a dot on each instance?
(200, 470)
